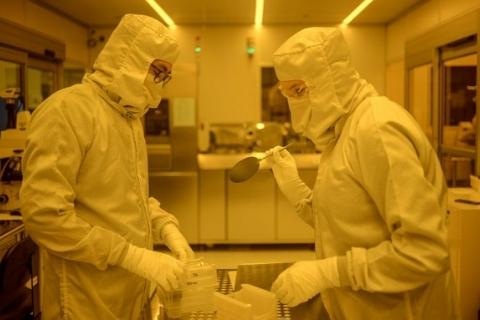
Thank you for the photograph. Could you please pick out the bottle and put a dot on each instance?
(23, 119)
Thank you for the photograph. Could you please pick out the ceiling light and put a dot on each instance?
(356, 12)
(259, 13)
(165, 17)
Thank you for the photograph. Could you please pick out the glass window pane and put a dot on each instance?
(420, 97)
(10, 76)
(40, 84)
(459, 118)
(72, 76)
(459, 112)
(274, 104)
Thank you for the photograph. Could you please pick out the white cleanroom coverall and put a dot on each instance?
(85, 190)
(378, 206)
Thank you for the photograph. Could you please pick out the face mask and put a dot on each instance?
(321, 142)
(300, 111)
(153, 91)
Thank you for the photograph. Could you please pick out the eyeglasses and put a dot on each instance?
(293, 88)
(162, 77)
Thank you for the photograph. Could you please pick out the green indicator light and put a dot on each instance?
(198, 49)
(250, 50)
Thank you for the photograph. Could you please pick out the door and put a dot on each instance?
(458, 112)
(41, 82)
(12, 64)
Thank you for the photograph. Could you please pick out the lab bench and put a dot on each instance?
(310, 310)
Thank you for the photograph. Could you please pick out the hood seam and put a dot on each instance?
(320, 44)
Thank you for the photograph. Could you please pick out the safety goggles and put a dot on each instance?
(293, 88)
(162, 77)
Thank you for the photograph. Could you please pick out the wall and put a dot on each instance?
(32, 16)
(423, 18)
(228, 80)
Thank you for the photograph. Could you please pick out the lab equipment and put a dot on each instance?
(195, 293)
(10, 181)
(249, 303)
(12, 143)
(11, 102)
(19, 289)
(247, 167)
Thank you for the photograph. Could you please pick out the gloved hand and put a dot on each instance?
(286, 174)
(305, 279)
(176, 242)
(166, 271)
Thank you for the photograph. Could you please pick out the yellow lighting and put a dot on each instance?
(159, 10)
(356, 12)
(259, 13)
(260, 126)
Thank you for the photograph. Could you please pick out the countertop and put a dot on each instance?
(211, 161)
(470, 199)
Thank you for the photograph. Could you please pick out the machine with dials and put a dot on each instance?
(13, 123)
(12, 143)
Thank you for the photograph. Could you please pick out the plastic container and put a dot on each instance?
(249, 303)
(196, 292)
(200, 283)
(171, 301)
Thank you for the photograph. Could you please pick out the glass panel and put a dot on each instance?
(40, 84)
(459, 118)
(10, 84)
(420, 97)
(275, 109)
(72, 76)
(72, 73)
(274, 104)
(459, 112)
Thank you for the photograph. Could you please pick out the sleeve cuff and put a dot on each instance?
(342, 267)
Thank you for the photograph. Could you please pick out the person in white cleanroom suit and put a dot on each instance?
(85, 189)
(378, 206)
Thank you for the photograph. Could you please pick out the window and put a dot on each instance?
(420, 97)
(274, 104)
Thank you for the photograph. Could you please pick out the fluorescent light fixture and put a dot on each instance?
(159, 10)
(356, 12)
(259, 13)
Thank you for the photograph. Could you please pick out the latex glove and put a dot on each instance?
(305, 279)
(176, 242)
(164, 270)
(286, 174)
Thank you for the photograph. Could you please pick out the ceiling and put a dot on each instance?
(107, 13)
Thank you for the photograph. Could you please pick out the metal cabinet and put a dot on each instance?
(254, 211)
(464, 223)
(251, 209)
(212, 205)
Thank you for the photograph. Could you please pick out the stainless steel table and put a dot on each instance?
(310, 310)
